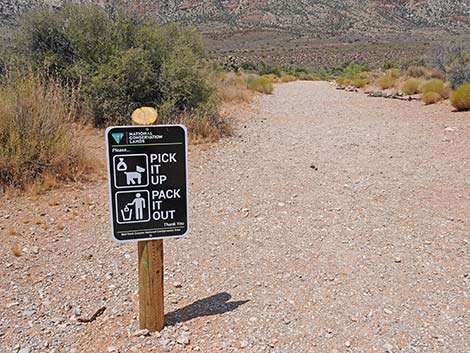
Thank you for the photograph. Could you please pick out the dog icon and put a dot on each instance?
(134, 178)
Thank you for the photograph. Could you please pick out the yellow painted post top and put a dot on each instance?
(144, 116)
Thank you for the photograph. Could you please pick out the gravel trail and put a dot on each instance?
(330, 222)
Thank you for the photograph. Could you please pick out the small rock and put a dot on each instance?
(281, 204)
(387, 311)
(27, 313)
(397, 260)
(57, 320)
(184, 340)
(25, 350)
(450, 129)
(388, 347)
(347, 344)
(112, 349)
(177, 284)
(35, 250)
(141, 333)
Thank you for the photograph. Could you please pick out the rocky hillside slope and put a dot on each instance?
(321, 17)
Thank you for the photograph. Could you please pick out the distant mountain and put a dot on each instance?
(320, 17)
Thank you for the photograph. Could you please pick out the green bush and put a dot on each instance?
(386, 82)
(460, 99)
(120, 64)
(436, 86)
(431, 97)
(353, 69)
(411, 86)
(359, 83)
(288, 78)
(259, 84)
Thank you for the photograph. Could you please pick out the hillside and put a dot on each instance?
(320, 17)
(299, 32)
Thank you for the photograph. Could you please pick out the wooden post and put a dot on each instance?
(151, 309)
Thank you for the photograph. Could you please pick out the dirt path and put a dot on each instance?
(331, 222)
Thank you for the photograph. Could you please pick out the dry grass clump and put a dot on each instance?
(411, 86)
(288, 78)
(232, 88)
(424, 72)
(259, 84)
(272, 78)
(359, 83)
(437, 86)
(460, 99)
(386, 82)
(340, 80)
(38, 134)
(431, 98)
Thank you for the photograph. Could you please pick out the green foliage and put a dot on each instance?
(411, 86)
(386, 82)
(352, 70)
(436, 86)
(359, 83)
(431, 97)
(288, 78)
(248, 66)
(259, 84)
(460, 99)
(120, 64)
(388, 65)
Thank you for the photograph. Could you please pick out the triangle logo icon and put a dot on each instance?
(117, 136)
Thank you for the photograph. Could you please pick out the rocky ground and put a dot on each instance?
(330, 222)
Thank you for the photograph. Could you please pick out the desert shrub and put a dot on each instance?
(437, 86)
(431, 97)
(394, 72)
(248, 66)
(232, 88)
(340, 80)
(416, 71)
(359, 83)
(121, 64)
(309, 77)
(386, 82)
(424, 72)
(352, 70)
(411, 86)
(259, 84)
(288, 78)
(389, 65)
(454, 61)
(38, 134)
(460, 99)
(272, 78)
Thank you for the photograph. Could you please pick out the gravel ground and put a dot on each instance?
(330, 222)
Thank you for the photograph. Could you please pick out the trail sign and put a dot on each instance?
(148, 181)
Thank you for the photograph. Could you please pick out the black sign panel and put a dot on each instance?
(148, 181)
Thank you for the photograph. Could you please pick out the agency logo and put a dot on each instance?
(117, 136)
